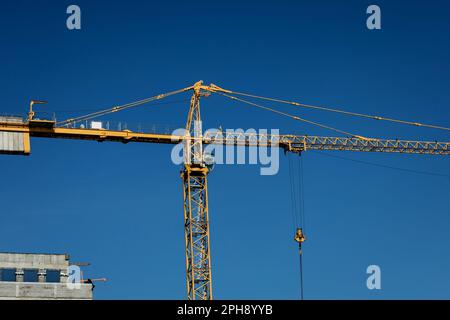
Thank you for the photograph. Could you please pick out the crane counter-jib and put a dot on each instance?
(13, 142)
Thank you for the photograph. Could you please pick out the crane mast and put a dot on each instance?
(195, 206)
(15, 134)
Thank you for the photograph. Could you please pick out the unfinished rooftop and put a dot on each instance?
(31, 276)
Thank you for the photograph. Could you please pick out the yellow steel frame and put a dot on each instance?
(196, 226)
(26, 143)
(290, 143)
(196, 220)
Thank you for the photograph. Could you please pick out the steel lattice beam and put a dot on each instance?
(291, 143)
(196, 231)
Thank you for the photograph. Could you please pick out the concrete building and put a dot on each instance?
(26, 276)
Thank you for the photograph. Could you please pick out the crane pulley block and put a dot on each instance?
(299, 236)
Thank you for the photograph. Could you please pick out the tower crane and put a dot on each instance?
(195, 171)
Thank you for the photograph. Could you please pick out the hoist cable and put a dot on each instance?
(436, 174)
(121, 107)
(297, 204)
(293, 205)
(93, 110)
(301, 270)
(293, 116)
(299, 198)
(302, 217)
(355, 114)
(302, 195)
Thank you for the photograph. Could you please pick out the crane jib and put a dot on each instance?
(15, 140)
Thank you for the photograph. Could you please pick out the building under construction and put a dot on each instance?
(28, 276)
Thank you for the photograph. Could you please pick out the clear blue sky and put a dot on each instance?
(120, 206)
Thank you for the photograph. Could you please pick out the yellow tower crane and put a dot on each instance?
(17, 132)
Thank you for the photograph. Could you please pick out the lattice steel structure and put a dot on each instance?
(196, 226)
(196, 220)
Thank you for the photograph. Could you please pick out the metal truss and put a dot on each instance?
(196, 227)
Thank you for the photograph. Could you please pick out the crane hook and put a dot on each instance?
(299, 236)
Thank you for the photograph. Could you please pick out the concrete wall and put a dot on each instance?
(13, 142)
(34, 261)
(43, 291)
(19, 289)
